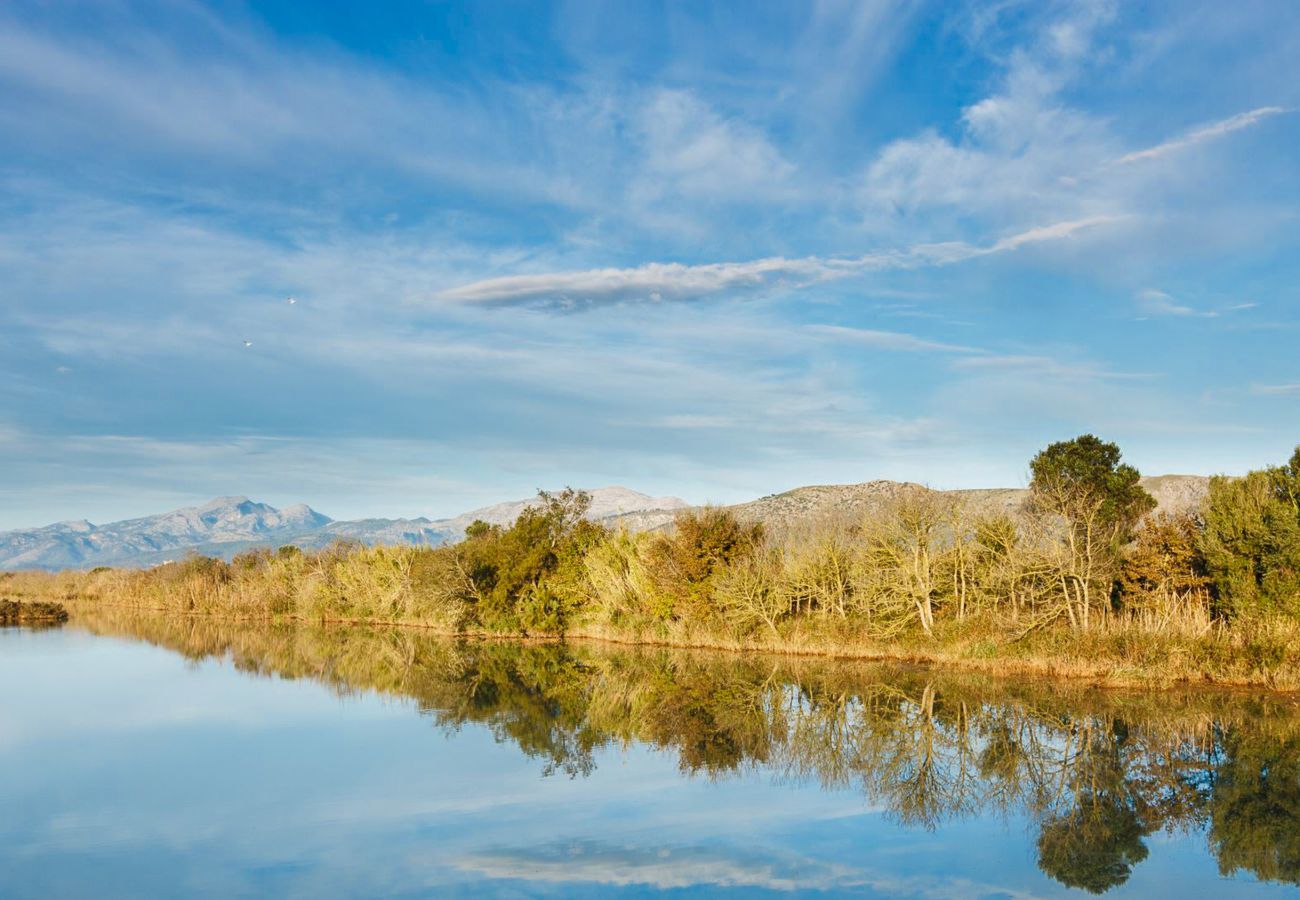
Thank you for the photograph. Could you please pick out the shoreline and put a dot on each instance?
(1001, 668)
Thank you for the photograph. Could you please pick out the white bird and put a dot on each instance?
(293, 300)
(248, 343)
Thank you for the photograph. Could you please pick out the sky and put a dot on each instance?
(709, 250)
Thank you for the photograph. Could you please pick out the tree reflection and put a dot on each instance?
(1098, 771)
(1255, 808)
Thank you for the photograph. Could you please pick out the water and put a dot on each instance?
(163, 757)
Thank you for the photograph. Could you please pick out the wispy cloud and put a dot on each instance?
(1276, 389)
(1152, 302)
(657, 282)
(1040, 366)
(885, 340)
(1205, 133)
(1158, 303)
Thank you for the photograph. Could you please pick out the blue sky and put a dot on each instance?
(709, 250)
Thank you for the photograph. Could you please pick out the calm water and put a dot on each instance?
(151, 757)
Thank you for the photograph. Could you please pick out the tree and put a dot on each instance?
(523, 577)
(1251, 540)
(904, 546)
(1099, 502)
(687, 562)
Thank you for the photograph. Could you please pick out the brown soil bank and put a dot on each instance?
(38, 613)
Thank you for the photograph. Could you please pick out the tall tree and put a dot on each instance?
(1099, 501)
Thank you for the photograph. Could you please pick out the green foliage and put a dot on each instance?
(702, 545)
(527, 577)
(1251, 541)
(1084, 478)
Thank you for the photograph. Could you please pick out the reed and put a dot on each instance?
(920, 579)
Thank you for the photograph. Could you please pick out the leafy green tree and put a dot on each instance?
(1099, 502)
(1251, 541)
(527, 576)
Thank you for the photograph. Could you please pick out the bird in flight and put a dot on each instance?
(248, 343)
(292, 301)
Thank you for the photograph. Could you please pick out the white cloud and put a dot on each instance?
(676, 281)
(1158, 303)
(1152, 302)
(1038, 366)
(1205, 133)
(690, 149)
(1023, 152)
(1017, 153)
(1275, 389)
(885, 340)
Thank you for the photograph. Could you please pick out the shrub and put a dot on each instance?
(529, 576)
(702, 544)
(1163, 573)
(1251, 541)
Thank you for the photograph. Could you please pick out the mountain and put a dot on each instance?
(228, 525)
(1173, 494)
(225, 521)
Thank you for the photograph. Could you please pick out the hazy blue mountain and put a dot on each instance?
(228, 525)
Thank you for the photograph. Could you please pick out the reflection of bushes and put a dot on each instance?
(37, 614)
(1095, 846)
(1099, 771)
(1255, 811)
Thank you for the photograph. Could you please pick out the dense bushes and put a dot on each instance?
(1251, 541)
(529, 576)
(922, 571)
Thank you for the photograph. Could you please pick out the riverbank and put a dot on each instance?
(1082, 583)
(1263, 657)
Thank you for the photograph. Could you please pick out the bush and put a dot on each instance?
(1251, 541)
(1164, 569)
(530, 575)
(702, 544)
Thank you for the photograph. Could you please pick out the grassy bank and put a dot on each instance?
(1114, 650)
(1085, 582)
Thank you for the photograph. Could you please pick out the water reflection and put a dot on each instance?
(1099, 773)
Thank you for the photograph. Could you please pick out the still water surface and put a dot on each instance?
(157, 757)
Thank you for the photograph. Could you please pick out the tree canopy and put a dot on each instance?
(1084, 478)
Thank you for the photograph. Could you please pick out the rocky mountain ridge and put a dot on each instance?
(228, 525)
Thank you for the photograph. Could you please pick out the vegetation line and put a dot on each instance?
(1085, 581)
(930, 658)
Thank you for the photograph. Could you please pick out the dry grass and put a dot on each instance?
(917, 582)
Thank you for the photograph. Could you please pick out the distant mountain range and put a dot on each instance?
(228, 525)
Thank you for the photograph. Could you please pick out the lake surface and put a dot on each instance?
(145, 756)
